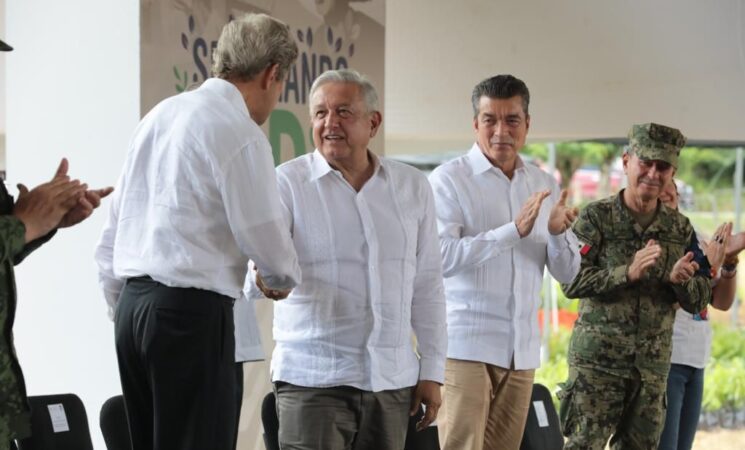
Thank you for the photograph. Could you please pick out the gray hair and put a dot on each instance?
(250, 44)
(369, 95)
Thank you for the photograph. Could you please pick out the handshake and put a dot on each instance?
(274, 294)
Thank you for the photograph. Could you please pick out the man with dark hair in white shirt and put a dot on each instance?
(197, 198)
(500, 221)
(345, 368)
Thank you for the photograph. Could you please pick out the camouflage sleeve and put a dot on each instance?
(593, 279)
(31, 246)
(695, 294)
(12, 237)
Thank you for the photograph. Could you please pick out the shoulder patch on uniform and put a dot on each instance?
(584, 248)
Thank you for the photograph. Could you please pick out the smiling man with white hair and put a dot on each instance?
(345, 369)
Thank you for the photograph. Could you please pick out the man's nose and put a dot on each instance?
(500, 129)
(332, 119)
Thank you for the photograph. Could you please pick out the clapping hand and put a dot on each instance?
(42, 208)
(562, 216)
(716, 249)
(684, 269)
(89, 201)
(643, 260)
(529, 212)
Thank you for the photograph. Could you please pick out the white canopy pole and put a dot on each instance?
(548, 296)
(737, 224)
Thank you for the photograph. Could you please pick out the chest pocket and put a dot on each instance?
(673, 248)
(620, 246)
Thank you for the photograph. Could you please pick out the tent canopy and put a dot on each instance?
(593, 68)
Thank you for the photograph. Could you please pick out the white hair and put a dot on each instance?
(369, 95)
(250, 44)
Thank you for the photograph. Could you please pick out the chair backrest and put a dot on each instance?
(542, 429)
(427, 439)
(114, 427)
(270, 421)
(58, 422)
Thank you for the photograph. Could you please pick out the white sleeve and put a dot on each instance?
(428, 316)
(563, 250)
(104, 253)
(252, 204)
(247, 332)
(463, 252)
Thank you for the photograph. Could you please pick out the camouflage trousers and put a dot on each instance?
(595, 404)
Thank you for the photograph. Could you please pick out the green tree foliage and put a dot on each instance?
(706, 168)
(570, 156)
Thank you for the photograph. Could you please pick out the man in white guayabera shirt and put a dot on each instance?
(197, 198)
(345, 368)
(500, 221)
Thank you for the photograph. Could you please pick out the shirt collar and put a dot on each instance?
(320, 167)
(480, 163)
(226, 90)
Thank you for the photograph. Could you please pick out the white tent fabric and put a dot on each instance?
(593, 68)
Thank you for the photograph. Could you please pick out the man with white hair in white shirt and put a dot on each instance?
(346, 371)
(500, 221)
(197, 198)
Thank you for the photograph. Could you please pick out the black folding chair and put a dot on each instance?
(114, 427)
(58, 422)
(270, 421)
(542, 429)
(427, 439)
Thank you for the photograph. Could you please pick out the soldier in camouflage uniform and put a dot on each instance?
(634, 268)
(24, 226)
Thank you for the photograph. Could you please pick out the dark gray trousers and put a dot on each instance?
(341, 418)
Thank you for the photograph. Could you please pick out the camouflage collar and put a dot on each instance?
(658, 225)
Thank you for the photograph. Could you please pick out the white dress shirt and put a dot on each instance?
(493, 277)
(247, 332)
(372, 275)
(196, 199)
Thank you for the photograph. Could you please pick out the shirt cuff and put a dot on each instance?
(558, 240)
(432, 369)
(507, 235)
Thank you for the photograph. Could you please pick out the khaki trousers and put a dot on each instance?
(484, 406)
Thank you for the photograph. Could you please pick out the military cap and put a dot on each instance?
(655, 141)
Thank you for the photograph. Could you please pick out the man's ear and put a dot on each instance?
(625, 159)
(269, 75)
(375, 120)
